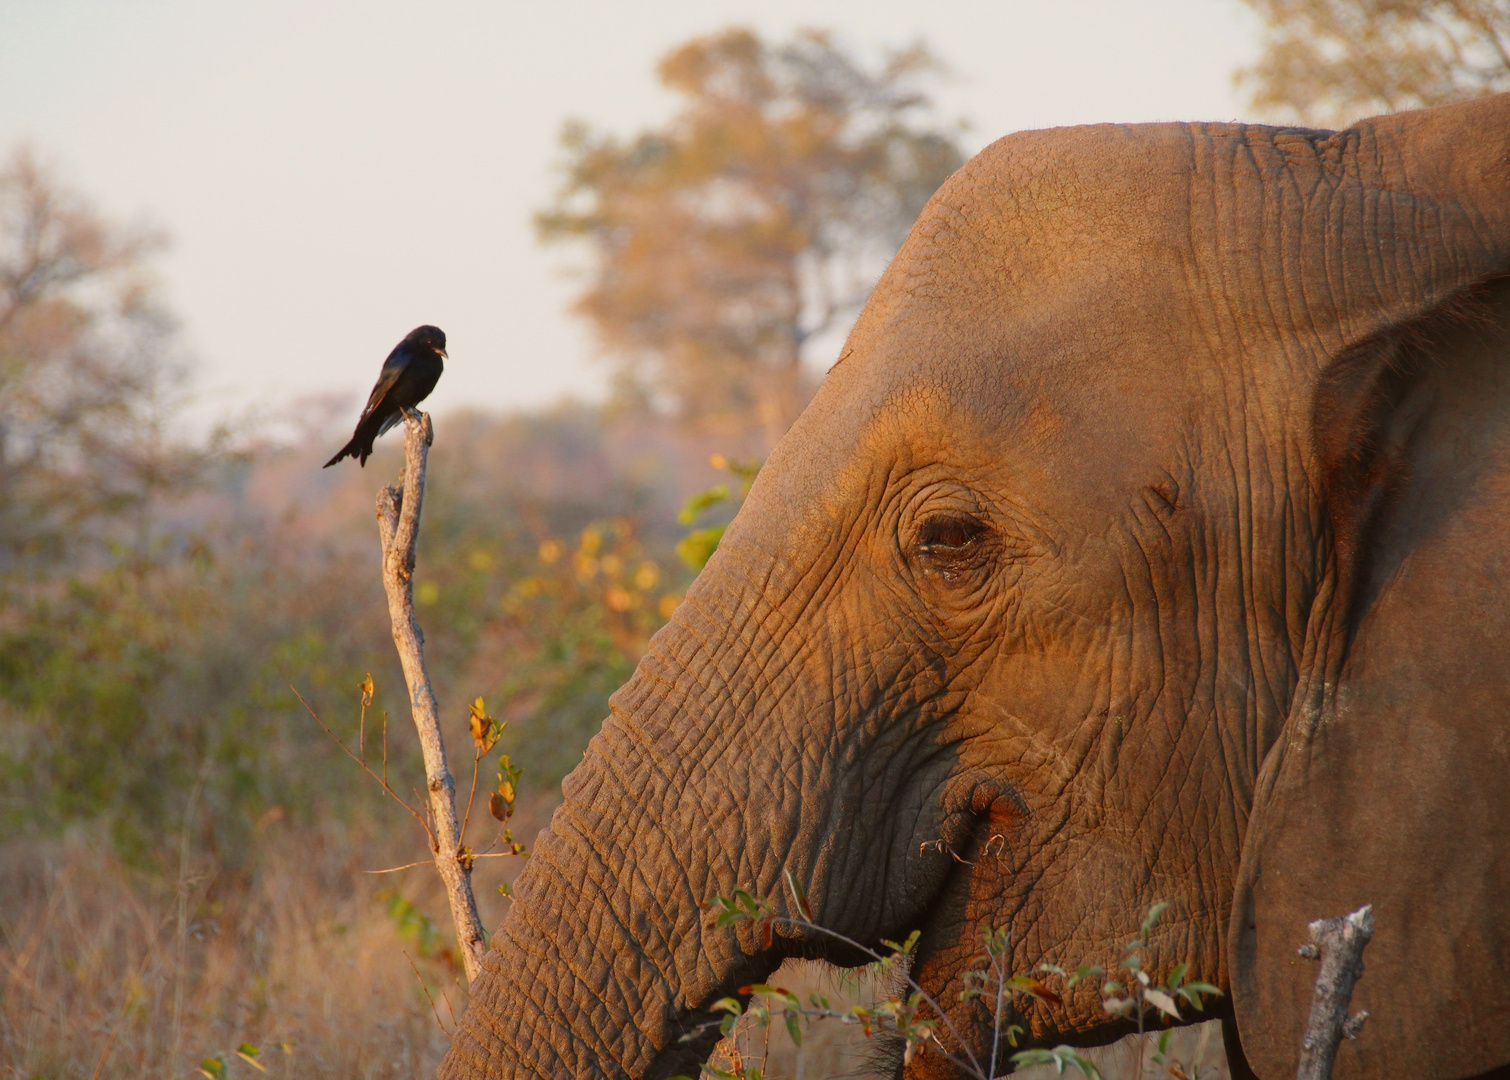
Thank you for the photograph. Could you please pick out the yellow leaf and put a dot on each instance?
(480, 724)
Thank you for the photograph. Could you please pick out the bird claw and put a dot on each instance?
(420, 420)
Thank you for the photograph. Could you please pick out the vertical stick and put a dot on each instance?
(398, 511)
(1339, 944)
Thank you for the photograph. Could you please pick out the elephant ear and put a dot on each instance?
(1390, 782)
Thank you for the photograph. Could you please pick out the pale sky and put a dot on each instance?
(334, 172)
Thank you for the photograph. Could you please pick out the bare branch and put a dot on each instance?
(1339, 944)
(398, 514)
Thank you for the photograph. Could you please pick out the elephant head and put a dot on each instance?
(1149, 541)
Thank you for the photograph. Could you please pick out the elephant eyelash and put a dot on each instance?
(951, 544)
(949, 533)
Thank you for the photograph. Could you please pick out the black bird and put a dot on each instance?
(409, 374)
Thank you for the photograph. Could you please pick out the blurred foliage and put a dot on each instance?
(124, 690)
(568, 634)
(698, 546)
(414, 927)
(753, 222)
(1333, 61)
(161, 598)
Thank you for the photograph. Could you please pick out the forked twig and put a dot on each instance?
(383, 780)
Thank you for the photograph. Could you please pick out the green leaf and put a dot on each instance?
(1192, 992)
(1059, 1057)
(702, 500)
(698, 546)
(1089, 971)
(213, 1067)
(1152, 917)
(794, 1027)
(906, 947)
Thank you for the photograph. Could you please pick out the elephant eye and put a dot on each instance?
(949, 532)
(951, 544)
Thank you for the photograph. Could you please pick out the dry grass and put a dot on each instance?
(107, 973)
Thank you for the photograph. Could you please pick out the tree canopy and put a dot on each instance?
(1332, 61)
(753, 222)
(86, 355)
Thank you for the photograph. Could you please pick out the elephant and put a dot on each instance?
(1148, 541)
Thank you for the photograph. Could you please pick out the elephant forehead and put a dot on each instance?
(1061, 383)
(1043, 212)
(1279, 244)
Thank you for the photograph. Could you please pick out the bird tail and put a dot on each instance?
(352, 449)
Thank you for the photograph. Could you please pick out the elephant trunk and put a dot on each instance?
(591, 972)
(608, 955)
(732, 757)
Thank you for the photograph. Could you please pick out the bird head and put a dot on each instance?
(433, 336)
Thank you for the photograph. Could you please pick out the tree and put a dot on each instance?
(1331, 61)
(754, 222)
(85, 367)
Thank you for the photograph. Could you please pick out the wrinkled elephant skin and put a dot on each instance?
(1149, 541)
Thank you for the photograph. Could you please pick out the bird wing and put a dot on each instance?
(393, 367)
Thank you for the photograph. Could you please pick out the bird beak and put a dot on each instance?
(443, 354)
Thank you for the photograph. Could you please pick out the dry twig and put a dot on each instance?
(383, 779)
(434, 1011)
(1339, 944)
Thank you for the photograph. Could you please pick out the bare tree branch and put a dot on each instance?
(398, 512)
(1339, 944)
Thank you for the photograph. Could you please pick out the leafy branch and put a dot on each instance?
(919, 1020)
